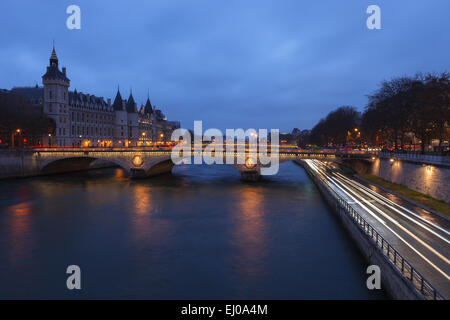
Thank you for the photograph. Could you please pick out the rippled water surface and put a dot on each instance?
(199, 233)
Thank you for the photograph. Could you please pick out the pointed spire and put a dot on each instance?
(148, 104)
(117, 105)
(130, 98)
(53, 57)
(131, 105)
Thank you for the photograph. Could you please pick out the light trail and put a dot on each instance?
(331, 181)
(389, 203)
(426, 245)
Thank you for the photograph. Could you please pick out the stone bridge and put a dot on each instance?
(137, 162)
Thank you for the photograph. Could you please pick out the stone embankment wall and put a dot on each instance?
(433, 180)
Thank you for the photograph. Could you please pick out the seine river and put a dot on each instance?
(200, 233)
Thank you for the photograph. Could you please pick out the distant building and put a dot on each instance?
(84, 120)
(154, 124)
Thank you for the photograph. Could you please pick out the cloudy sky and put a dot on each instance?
(233, 64)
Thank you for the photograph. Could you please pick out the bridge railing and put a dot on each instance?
(284, 151)
(424, 287)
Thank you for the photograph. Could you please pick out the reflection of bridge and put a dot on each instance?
(137, 162)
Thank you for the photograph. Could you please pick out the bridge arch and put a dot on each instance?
(71, 164)
(150, 166)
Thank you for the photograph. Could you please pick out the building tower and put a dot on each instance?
(120, 121)
(56, 97)
(133, 124)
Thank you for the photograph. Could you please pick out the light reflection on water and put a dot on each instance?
(22, 244)
(250, 233)
(199, 233)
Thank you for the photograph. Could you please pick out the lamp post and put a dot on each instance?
(18, 131)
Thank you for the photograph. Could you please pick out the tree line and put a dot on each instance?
(21, 122)
(401, 112)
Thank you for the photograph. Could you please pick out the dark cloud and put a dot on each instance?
(268, 64)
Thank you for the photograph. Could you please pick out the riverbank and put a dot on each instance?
(425, 201)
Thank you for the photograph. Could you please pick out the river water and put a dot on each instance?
(200, 233)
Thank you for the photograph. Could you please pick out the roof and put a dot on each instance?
(148, 107)
(84, 99)
(53, 71)
(118, 105)
(131, 105)
(34, 94)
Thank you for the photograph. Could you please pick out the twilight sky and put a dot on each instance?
(233, 64)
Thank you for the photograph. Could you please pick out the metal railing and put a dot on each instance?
(428, 291)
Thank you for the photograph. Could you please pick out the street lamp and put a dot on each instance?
(250, 163)
(18, 131)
